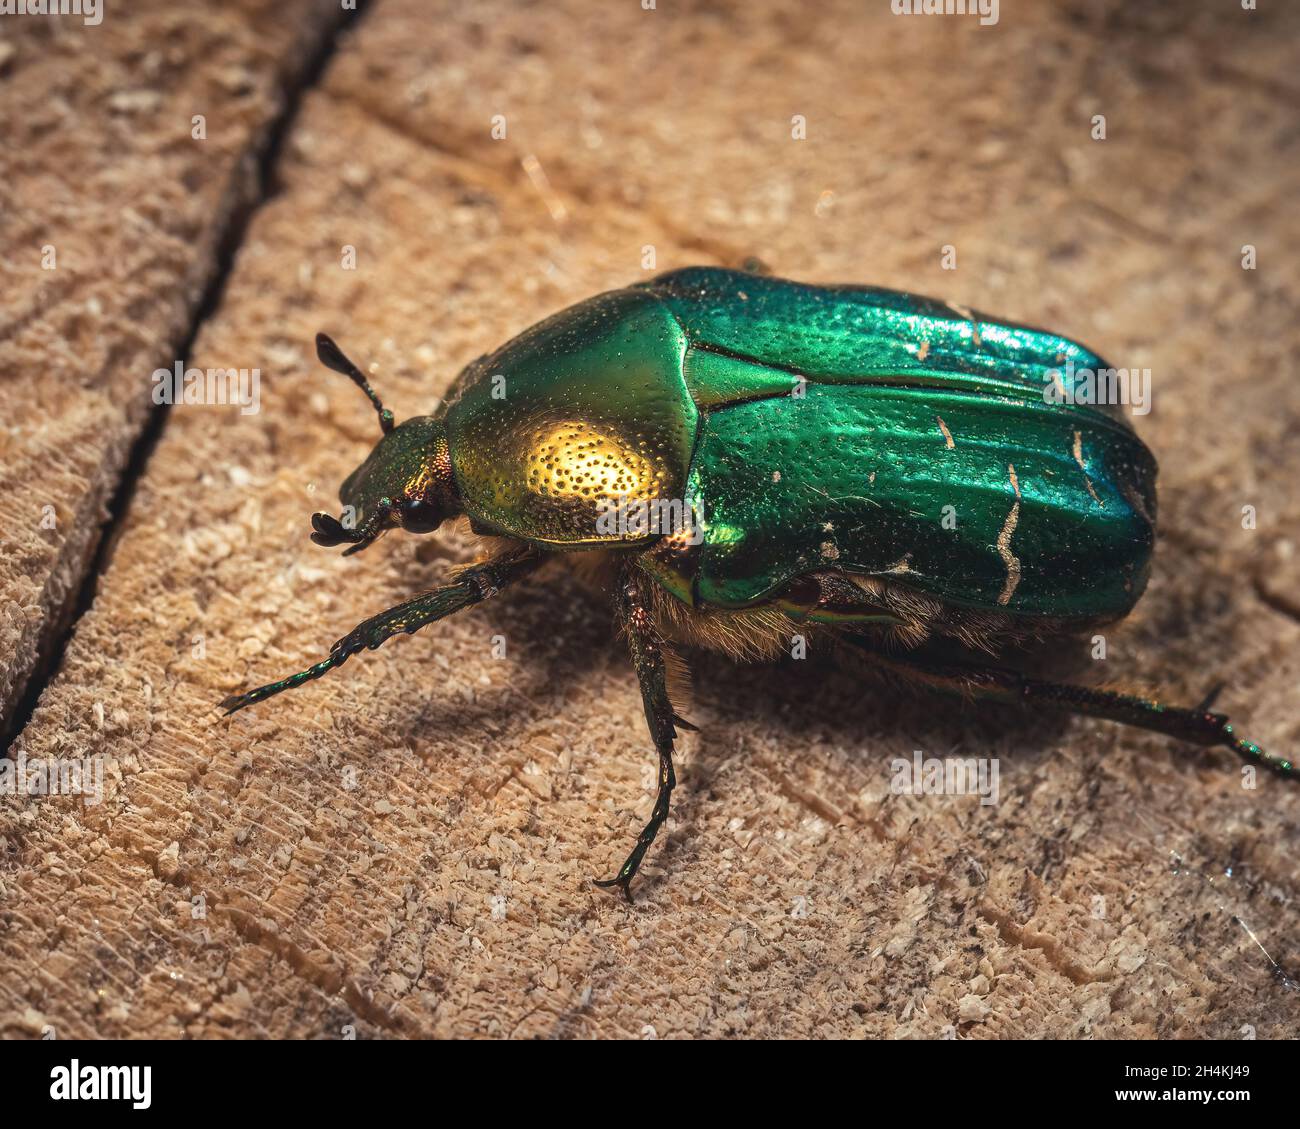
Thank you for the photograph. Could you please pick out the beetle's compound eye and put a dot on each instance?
(420, 515)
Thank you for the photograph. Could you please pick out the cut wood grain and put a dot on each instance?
(130, 150)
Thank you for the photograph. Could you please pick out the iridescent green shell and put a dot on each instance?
(849, 428)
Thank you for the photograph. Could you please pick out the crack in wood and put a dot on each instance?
(59, 627)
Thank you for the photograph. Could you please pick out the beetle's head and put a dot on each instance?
(405, 483)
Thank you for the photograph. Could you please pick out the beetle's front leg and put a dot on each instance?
(472, 586)
(647, 650)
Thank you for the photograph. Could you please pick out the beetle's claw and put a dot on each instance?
(234, 702)
(623, 881)
(626, 872)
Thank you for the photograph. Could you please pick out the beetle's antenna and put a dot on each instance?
(331, 356)
(329, 531)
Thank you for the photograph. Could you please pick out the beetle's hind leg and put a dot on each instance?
(1198, 726)
(647, 649)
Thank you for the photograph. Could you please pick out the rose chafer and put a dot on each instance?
(866, 468)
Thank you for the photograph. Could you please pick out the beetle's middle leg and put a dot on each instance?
(471, 586)
(647, 649)
(1199, 725)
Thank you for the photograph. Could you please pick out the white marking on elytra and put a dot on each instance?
(1009, 559)
(947, 435)
(1078, 458)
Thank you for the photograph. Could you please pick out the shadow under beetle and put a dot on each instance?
(866, 466)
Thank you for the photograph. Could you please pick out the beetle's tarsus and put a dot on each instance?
(658, 817)
(625, 884)
(1249, 751)
(237, 702)
(467, 589)
(648, 658)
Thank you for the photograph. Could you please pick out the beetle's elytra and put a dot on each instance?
(809, 442)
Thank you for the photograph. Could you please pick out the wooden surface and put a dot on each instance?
(405, 847)
(113, 215)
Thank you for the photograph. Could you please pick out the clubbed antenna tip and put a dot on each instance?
(331, 356)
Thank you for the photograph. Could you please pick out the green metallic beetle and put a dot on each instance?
(862, 466)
